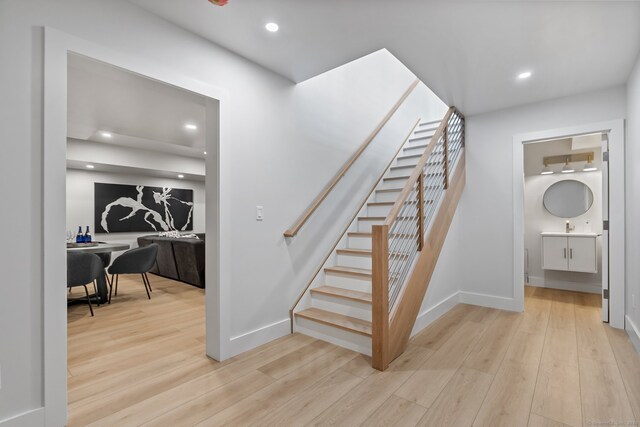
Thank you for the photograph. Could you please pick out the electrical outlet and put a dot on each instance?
(259, 213)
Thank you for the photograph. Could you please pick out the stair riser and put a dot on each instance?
(387, 196)
(348, 282)
(407, 162)
(379, 210)
(342, 306)
(365, 225)
(399, 172)
(360, 242)
(420, 138)
(356, 261)
(346, 339)
(413, 149)
(393, 184)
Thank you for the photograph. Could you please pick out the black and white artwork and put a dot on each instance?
(125, 208)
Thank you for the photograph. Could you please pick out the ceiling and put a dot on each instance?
(136, 111)
(467, 52)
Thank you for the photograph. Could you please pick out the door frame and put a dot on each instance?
(217, 297)
(615, 132)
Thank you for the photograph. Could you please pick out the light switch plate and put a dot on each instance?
(259, 213)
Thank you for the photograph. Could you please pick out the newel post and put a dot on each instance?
(380, 297)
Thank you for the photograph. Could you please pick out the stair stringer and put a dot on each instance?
(407, 307)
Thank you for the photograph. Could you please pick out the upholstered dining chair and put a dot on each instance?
(82, 269)
(134, 261)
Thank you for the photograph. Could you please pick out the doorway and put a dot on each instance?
(58, 46)
(606, 271)
(565, 209)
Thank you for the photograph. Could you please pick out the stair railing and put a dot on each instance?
(293, 230)
(397, 242)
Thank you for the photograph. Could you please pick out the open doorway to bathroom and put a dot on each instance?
(565, 214)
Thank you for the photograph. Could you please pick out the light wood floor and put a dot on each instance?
(141, 362)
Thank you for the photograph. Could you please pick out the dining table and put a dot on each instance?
(103, 250)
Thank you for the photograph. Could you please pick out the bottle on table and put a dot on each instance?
(79, 236)
(87, 236)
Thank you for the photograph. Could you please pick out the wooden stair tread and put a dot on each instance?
(381, 203)
(351, 251)
(389, 190)
(363, 297)
(396, 178)
(349, 271)
(341, 321)
(372, 218)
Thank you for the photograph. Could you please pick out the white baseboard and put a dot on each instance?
(565, 286)
(33, 418)
(434, 313)
(491, 301)
(247, 341)
(633, 332)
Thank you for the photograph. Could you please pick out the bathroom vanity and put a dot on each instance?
(570, 252)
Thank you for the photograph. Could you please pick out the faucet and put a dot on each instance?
(568, 227)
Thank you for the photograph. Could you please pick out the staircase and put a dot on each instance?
(340, 306)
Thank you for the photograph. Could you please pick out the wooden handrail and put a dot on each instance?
(417, 171)
(291, 232)
(328, 254)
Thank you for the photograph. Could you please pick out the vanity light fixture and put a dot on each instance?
(546, 170)
(566, 168)
(589, 166)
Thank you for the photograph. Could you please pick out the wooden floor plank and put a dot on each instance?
(628, 361)
(395, 411)
(459, 402)
(604, 397)
(508, 401)
(557, 394)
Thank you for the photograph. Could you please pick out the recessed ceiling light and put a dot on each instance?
(106, 134)
(272, 27)
(90, 167)
(524, 75)
(180, 176)
(191, 126)
(205, 153)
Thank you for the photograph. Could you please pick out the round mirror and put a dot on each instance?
(568, 199)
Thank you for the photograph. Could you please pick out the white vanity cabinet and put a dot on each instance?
(570, 252)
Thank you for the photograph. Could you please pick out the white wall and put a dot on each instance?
(486, 207)
(274, 157)
(80, 201)
(633, 204)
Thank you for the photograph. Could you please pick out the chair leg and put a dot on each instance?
(148, 282)
(111, 287)
(86, 291)
(117, 280)
(146, 287)
(95, 290)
